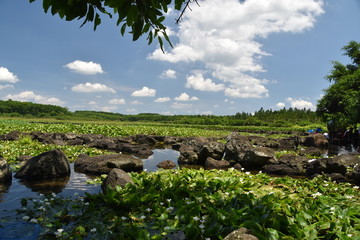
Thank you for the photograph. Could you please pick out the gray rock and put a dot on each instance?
(211, 163)
(236, 148)
(167, 164)
(5, 171)
(103, 164)
(51, 164)
(287, 164)
(257, 157)
(241, 234)
(116, 177)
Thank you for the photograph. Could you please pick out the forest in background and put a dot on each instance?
(272, 118)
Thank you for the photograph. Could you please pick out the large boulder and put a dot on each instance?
(103, 164)
(256, 158)
(5, 171)
(51, 164)
(212, 149)
(190, 151)
(116, 177)
(325, 166)
(236, 147)
(287, 164)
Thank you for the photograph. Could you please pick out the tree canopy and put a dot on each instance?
(141, 16)
(341, 100)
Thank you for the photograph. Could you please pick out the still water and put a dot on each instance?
(10, 196)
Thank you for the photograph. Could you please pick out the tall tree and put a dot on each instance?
(141, 16)
(341, 100)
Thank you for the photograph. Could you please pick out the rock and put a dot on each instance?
(116, 177)
(290, 142)
(256, 158)
(11, 136)
(211, 163)
(241, 234)
(311, 151)
(5, 171)
(287, 164)
(145, 139)
(103, 164)
(140, 150)
(325, 165)
(236, 148)
(354, 175)
(51, 164)
(211, 149)
(315, 140)
(167, 164)
(348, 160)
(190, 150)
(103, 143)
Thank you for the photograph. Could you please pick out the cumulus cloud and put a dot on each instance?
(185, 97)
(228, 46)
(30, 96)
(92, 88)
(144, 92)
(117, 101)
(162, 99)
(198, 82)
(280, 105)
(82, 67)
(168, 74)
(7, 76)
(300, 103)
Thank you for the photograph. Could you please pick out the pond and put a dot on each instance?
(10, 196)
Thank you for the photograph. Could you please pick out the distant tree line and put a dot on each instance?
(273, 118)
(16, 108)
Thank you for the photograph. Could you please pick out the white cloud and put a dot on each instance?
(117, 101)
(228, 46)
(198, 82)
(91, 88)
(185, 97)
(168, 74)
(247, 91)
(92, 103)
(30, 96)
(6, 86)
(300, 103)
(82, 67)
(7, 76)
(181, 105)
(144, 92)
(162, 99)
(280, 105)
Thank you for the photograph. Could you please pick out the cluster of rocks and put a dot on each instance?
(238, 151)
(254, 153)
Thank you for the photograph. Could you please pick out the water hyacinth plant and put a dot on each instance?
(203, 204)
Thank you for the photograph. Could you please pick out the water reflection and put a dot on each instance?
(159, 156)
(11, 195)
(55, 185)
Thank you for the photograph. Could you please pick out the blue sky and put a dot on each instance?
(228, 57)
